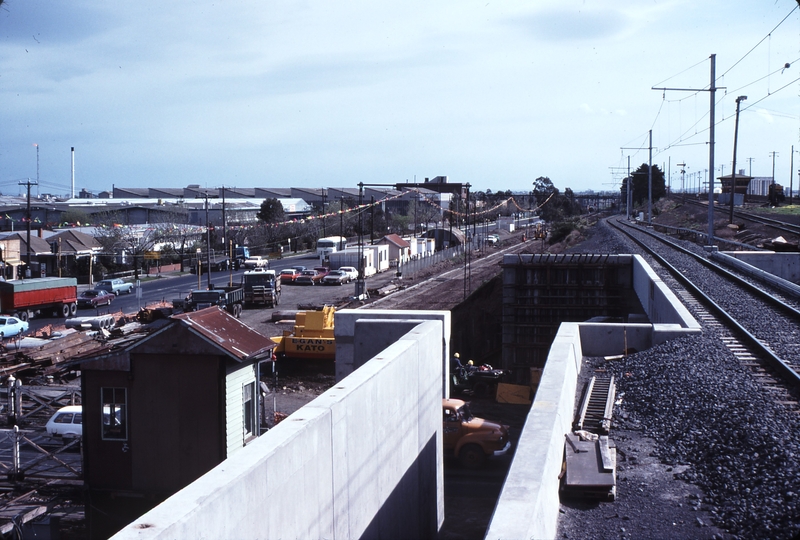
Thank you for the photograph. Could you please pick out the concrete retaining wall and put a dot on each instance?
(758, 270)
(659, 302)
(783, 265)
(528, 504)
(345, 330)
(362, 460)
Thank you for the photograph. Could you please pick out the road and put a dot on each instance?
(159, 292)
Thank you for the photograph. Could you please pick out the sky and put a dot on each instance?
(293, 93)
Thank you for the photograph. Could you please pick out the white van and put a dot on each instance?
(67, 423)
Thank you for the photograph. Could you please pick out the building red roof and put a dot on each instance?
(396, 240)
(227, 332)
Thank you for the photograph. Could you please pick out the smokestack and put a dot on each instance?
(72, 195)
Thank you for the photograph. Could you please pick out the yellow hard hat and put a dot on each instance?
(470, 363)
(457, 355)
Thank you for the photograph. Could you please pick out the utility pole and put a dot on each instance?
(467, 242)
(323, 213)
(791, 175)
(341, 215)
(773, 154)
(360, 285)
(208, 249)
(750, 170)
(224, 224)
(629, 194)
(712, 88)
(27, 183)
(372, 221)
(735, 141)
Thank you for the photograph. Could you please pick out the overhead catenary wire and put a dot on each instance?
(692, 131)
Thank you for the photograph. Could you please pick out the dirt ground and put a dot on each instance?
(677, 213)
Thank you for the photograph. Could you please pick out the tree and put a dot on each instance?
(127, 240)
(542, 189)
(179, 234)
(640, 182)
(271, 211)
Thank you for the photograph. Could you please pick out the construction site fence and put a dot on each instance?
(412, 267)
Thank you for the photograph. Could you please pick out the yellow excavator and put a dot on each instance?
(311, 338)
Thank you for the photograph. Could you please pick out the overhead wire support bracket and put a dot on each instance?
(712, 90)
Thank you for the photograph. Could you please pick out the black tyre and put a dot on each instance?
(64, 310)
(471, 456)
(73, 309)
(23, 315)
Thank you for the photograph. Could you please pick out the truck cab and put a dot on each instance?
(469, 438)
(227, 298)
(261, 286)
(241, 254)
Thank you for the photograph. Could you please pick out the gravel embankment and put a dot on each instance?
(726, 454)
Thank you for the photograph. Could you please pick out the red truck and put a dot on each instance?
(25, 298)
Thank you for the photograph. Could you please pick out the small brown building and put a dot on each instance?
(164, 410)
(399, 249)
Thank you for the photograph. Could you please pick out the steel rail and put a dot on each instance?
(750, 287)
(786, 371)
(782, 226)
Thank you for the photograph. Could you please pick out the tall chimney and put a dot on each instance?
(72, 195)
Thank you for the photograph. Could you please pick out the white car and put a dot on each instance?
(256, 262)
(67, 423)
(114, 286)
(350, 271)
(11, 326)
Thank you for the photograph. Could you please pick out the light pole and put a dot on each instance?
(735, 141)
(208, 245)
(199, 266)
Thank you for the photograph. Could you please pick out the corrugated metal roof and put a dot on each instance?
(227, 332)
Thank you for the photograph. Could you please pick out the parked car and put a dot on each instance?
(336, 277)
(289, 275)
(308, 277)
(350, 271)
(256, 261)
(300, 269)
(66, 423)
(94, 297)
(323, 270)
(11, 326)
(114, 286)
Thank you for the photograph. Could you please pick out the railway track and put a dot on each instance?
(783, 227)
(444, 290)
(760, 328)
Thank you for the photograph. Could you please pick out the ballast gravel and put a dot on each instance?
(704, 451)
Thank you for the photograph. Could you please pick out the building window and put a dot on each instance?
(115, 414)
(249, 412)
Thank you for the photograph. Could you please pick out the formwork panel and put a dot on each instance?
(542, 291)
